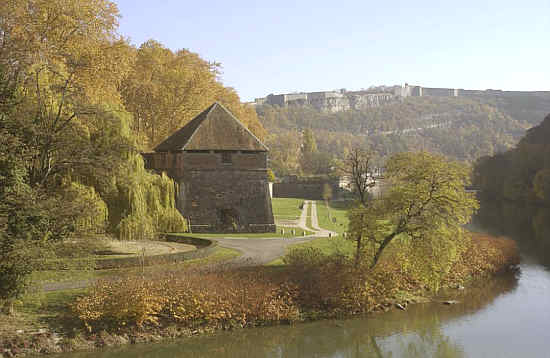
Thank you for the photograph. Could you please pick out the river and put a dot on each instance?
(508, 316)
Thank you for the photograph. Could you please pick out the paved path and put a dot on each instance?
(314, 219)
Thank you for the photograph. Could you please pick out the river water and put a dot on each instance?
(508, 316)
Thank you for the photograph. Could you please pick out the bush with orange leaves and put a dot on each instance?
(216, 300)
(331, 285)
(484, 255)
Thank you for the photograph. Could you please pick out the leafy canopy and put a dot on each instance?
(425, 196)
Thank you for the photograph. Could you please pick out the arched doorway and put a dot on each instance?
(229, 220)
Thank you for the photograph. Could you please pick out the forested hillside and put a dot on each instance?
(459, 127)
(521, 174)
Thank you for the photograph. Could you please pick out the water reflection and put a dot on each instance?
(527, 224)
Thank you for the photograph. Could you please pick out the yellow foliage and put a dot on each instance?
(144, 204)
(166, 89)
(217, 300)
(94, 218)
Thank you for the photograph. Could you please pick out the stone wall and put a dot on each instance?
(307, 190)
(227, 200)
(175, 164)
(439, 92)
(219, 191)
(360, 100)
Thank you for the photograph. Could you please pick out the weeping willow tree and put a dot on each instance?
(142, 203)
(93, 210)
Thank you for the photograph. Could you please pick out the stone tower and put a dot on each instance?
(221, 169)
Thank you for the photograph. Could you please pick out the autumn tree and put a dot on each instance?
(166, 89)
(425, 199)
(284, 155)
(308, 152)
(66, 148)
(66, 59)
(358, 168)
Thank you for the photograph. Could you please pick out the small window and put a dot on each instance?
(226, 158)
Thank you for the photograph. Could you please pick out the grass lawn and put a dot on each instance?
(327, 245)
(286, 208)
(338, 220)
(308, 216)
(122, 248)
(330, 245)
(42, 303)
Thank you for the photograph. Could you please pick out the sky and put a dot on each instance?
(293, 46)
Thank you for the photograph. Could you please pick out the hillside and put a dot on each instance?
(464, 128)
(521, 174)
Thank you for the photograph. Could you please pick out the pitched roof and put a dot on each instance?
(213, 129)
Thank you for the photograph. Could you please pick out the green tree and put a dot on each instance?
(284, 155)
(541, 184)
(522, 173)
(309, 150)
(426, 198)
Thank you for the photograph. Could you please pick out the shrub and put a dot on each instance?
(14, 270)
(483, 255)
(213, 300)
(333, 284)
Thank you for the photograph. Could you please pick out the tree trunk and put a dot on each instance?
(8, 307)
(358, 250)
(383, 245)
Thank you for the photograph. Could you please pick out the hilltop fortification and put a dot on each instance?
(330, 101)
(342, 100)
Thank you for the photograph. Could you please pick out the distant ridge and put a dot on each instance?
(342, 100)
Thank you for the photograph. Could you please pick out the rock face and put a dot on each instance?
(221, 169)
(331, 101)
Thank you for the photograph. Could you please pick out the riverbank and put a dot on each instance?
(140, 311)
